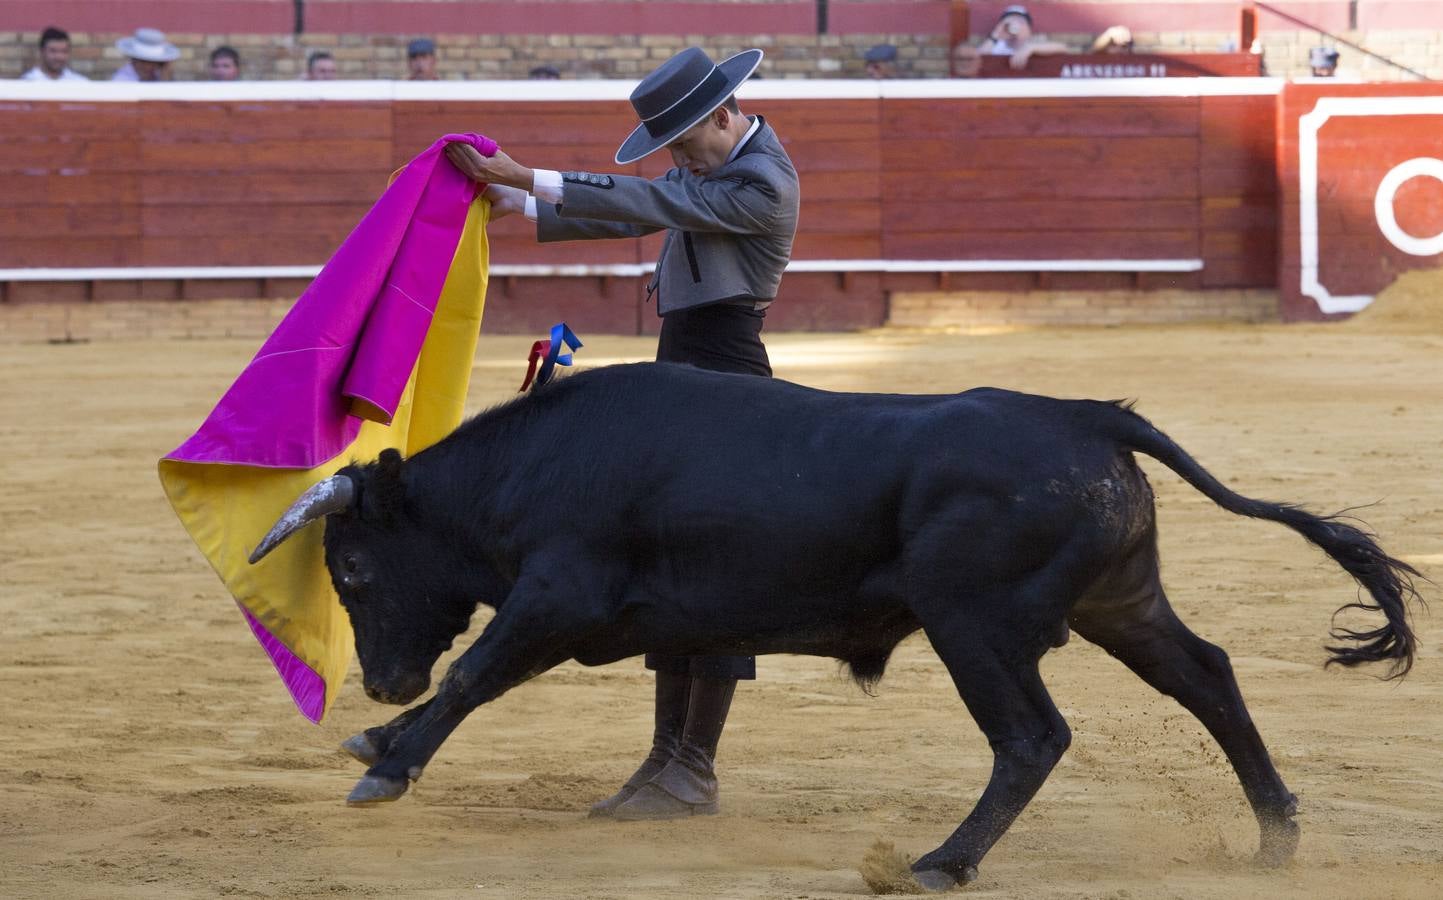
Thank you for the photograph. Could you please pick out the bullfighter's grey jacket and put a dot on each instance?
(729, 234)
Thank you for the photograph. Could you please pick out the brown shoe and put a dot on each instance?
(678, 792)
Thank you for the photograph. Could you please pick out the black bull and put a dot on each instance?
(662, 508)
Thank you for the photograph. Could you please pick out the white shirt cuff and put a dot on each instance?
(546, 185)
(530, 207)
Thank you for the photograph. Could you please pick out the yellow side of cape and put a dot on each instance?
(227, 509)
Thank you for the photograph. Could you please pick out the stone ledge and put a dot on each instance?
(965, 309)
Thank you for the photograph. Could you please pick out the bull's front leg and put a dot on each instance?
(528, 636)
(370, 745)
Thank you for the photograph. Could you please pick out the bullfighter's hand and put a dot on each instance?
(505, 200)
(498, 169)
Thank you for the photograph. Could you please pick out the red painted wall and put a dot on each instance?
(278, 183)
(158, 183)
(668, 17)
(1218, 178)
(1355, 148)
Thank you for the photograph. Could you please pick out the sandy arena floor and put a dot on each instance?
(148, 749)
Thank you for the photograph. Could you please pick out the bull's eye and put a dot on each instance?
(349, 564)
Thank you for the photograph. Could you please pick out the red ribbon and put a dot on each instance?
(538, 353)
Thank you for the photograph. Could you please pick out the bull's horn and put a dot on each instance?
(335, 494)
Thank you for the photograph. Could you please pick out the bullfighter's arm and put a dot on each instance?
(734, 204)
(745, 201)
(507, 199)
(544, 208)
(550, 226)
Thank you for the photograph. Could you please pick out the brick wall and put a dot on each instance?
(628, 56)
(481, 56)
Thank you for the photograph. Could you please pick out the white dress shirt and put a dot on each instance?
(66, 74)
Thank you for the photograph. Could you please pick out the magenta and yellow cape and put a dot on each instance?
(376, 353)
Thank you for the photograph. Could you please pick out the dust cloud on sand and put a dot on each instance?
(887, 871)
(148, 750)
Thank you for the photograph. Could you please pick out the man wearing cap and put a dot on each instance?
(1323, 61)
(1013, 36)
(729, 210)
(881, 61)
(148, 55)
(421, 60)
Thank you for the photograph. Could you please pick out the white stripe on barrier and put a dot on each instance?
(620, 90)
(618, 270)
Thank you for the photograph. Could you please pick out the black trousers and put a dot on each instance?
(723, 338)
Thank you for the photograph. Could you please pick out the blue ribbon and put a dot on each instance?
(560, 334)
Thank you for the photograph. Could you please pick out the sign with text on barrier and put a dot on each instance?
(1126, 65)
(1368, 189)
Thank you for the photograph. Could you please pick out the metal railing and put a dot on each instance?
(1273, 10)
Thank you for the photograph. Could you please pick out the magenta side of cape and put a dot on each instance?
(307, 688)
(355, 332)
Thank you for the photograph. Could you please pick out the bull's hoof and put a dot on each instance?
(1279, 843)
(937, 881)
(361, 748)
(373, 789)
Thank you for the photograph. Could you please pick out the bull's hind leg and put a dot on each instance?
(998, 679)
(1147, 636)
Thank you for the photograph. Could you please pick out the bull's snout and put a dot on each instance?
(398, 690)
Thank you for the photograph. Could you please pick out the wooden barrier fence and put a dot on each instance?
(908, 186)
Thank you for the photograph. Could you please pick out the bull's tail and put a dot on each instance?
(1387, 580)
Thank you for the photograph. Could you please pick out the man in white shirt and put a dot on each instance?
(1013, 36)
(54, 59)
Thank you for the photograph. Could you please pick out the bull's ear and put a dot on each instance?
(386, 489)
(390, 461)
(335, 494)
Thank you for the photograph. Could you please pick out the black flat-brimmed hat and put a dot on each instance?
(680, 93)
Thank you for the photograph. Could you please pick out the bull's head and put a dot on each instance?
(406, 588)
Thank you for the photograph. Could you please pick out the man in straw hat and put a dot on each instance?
(729, 209)
(148, 54)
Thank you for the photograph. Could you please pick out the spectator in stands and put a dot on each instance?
(148, 56)
(1013, 36)
(421, 60)
(881, 61)
(966, 61)
(321, 66)
(54, 59)
(544, 73)
(224, 64)
(1323, 61)
(1117, 39)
